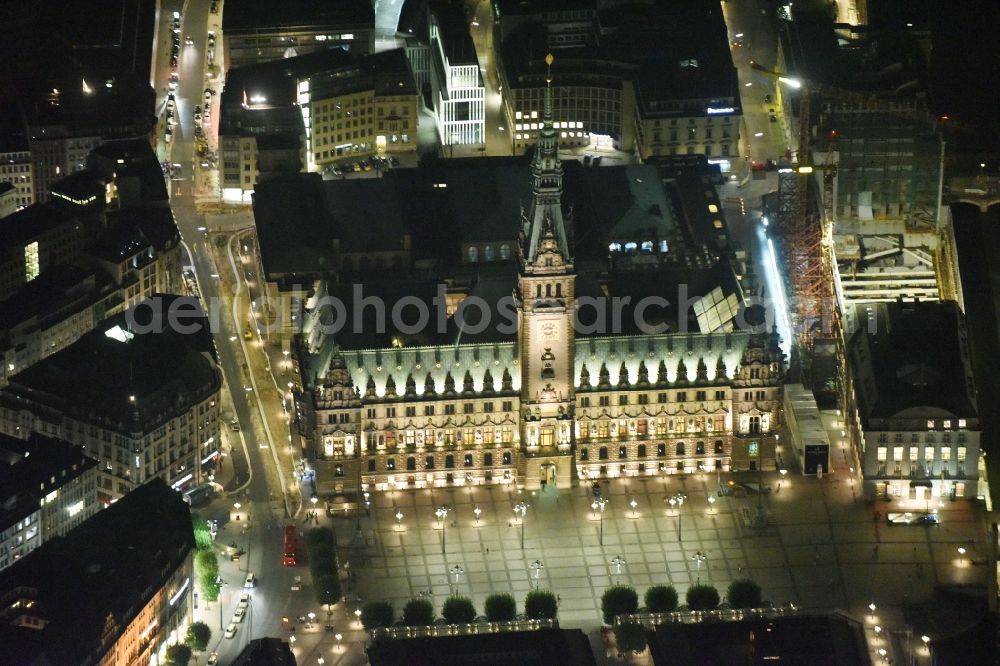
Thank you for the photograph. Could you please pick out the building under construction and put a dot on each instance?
(860, 212)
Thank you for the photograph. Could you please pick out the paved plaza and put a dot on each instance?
(822, 547)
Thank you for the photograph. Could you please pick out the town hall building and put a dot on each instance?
(551, 402)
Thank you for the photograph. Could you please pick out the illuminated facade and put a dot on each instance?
(552, 405)
(366, 108)
(114, 591)
(16, 169)
(157, 414)
(49, 487)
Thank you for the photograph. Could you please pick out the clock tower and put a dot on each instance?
(545, 295)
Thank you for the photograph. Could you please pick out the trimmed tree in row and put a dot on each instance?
(541, 605)
(702, 597)
(418, 613)
(500, 607)
(458, 610)
(321, 544)
(744, 594)
(618, 600)
(661, 599)
(377, 614)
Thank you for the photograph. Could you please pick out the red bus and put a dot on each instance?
(291, 547)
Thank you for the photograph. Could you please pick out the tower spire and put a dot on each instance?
(544, 218)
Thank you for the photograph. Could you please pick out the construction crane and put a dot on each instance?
(808, 236)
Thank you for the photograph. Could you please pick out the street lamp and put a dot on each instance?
(871, 607)
(536, 568)
(783, 472)
(711, 504)
(399, 517)
(698, 558)
(878, 631)
(961, 554)
(521, 509)
(314, 500)
(599, 505)
(442, 512)
(357, 614)
(618, 563)
(678, 501)
(633, 503)
(456, 571)
(312, 616)
(339, 636)
(477, 511)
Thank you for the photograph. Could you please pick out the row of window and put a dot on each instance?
(681, 396)
(429, 410)
(930, 438)
(914, 453)
(449, 462)
(621, 428)
(680, 449)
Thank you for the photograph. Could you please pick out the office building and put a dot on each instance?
(156, 413)
(366, 108)
(114, 590)
(258, 31)
(48, 488)
(914, 420)
(457, 91)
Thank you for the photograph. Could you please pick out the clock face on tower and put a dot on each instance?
(549, 330)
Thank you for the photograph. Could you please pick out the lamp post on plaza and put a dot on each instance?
(678, 501)
(711, 504)
(783, 472)
(599, 505)
(698, 558)
(872, 608)
(456, 571)
(633, 503)
(399, 519)
(442, 512)
(618, 563)
(521, 509)
(536, 568)
(477, 511)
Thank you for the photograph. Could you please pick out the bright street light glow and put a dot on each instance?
(791, 83)
(758, 134)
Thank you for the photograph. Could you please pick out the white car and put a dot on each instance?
(213, 659)
(188, 41)
(231, 631)
(239, 614)
(245, 599)
(250, 581)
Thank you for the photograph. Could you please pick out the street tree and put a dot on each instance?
(206, 566)
(198, 636)
(178, 655)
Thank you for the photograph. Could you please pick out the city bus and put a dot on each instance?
(291, 547)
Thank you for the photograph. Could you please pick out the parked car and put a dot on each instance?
(231, 631)
(250, 581)
(245, 599)
(235, 425)
(239, 615)
(213, 659)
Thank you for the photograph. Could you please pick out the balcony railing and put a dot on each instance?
(463, 629)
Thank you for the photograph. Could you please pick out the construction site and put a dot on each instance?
(857, 216)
